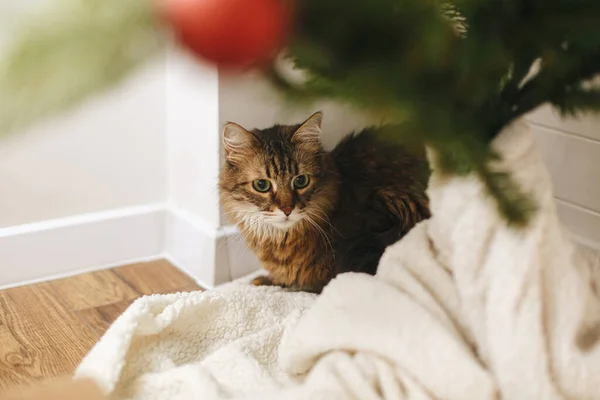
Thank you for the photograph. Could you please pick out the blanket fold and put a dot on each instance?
(463, 307)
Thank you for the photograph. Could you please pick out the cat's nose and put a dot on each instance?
(287, 210)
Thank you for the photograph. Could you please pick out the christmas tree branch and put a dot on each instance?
(510, 200)
(578, 100)
(549, 86)
(461, 87)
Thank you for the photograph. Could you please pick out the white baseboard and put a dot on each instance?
(62, 247)
(211, 255)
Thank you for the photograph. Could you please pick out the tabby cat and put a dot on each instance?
(310, 214)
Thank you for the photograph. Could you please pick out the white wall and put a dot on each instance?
(107, 154)
(193, 137)
(194, 235)
(571, 149)
(85, 189)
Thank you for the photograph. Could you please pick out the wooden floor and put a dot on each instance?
(46, 329)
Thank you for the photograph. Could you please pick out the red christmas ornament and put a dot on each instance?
(230, 33)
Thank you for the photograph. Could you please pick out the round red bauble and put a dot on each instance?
(230, 33)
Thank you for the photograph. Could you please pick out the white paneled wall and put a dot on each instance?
(571, 149)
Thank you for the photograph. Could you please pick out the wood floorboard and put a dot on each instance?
(154, 277)
(94, 289)
(100, 318)
(46, 329)
(40, 339)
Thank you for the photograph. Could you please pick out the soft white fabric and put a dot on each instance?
(463, 307)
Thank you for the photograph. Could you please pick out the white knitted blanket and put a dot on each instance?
(462, 308)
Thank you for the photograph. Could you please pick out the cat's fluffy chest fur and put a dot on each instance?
(300, 258)
(309, 214)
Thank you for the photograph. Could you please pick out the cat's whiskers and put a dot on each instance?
(258, 225)
(235, 213)
(322, 233)
(240, 238)
(321, 216)
(273, 232)
(251, 225)
(252, 221)
(228, 240)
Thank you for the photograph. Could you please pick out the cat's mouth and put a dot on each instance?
(284, 221)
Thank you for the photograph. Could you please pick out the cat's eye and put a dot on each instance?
(301, 181)
(261, 185)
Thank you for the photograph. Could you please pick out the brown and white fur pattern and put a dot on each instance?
(302, 227)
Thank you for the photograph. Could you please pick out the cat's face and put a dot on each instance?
(278, 178)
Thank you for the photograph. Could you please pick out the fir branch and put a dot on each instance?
(460, 90)
(453, 14)
(514, 205)
(551, 86)
(578, 100)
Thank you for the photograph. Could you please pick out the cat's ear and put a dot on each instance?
(236, 140)
(310, 130)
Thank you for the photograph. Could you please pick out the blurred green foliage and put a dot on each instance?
(461, 72)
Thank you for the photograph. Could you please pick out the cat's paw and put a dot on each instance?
(262, 280)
